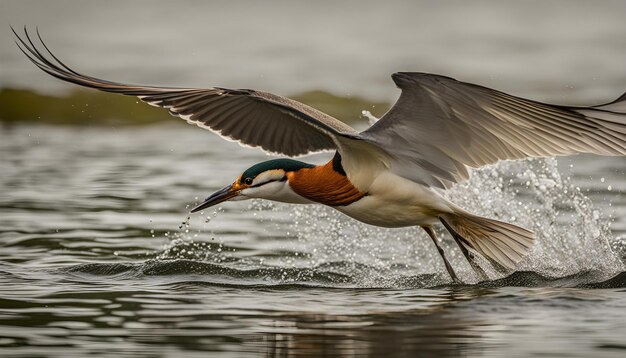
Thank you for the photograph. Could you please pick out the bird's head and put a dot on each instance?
(265, 180)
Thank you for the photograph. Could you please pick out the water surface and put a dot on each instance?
(98, 257)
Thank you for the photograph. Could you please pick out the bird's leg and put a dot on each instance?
(431, 233)
(468, 255)
(470, 258)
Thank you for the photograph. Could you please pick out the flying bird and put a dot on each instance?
(393, 173)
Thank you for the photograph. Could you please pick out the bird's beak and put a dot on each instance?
(226, 193)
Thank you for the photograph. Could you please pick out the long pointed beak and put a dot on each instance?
(224, 194)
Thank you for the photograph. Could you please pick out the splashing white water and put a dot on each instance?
(572, 236)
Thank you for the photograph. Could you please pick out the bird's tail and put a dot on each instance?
(500, 242)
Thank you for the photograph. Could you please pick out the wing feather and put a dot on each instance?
(438, 128)
(472, 126)
(275, 124)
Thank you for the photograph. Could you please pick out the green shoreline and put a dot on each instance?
(96, 108)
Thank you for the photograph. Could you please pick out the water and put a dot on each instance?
(98, 256)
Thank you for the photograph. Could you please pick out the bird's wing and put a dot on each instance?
(440, 126)
(254, 118)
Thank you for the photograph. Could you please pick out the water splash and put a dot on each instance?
(184, 247)
(573, 237)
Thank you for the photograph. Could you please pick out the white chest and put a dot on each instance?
(393, 201)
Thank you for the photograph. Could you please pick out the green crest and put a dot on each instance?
(288, 165)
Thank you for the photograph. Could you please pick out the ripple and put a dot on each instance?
(185, 271)
(585, 279)
(93, 250)
(329, 275)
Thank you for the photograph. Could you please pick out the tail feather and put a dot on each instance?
(500, 242)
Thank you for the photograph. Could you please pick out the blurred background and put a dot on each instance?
(99, 256)
(568, 52)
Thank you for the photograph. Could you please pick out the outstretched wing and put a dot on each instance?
(254, 118)
(440, 126)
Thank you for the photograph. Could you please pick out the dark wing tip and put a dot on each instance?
(620, 98)
(210, 108)
(403, 79)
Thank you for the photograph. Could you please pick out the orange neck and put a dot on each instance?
(325, 185)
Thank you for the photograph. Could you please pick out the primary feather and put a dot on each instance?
(436, 130)
(440, 126)
(254, 118)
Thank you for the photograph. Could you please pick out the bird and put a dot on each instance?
(395, 172)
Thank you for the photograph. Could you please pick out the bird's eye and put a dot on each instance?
(248, 181)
